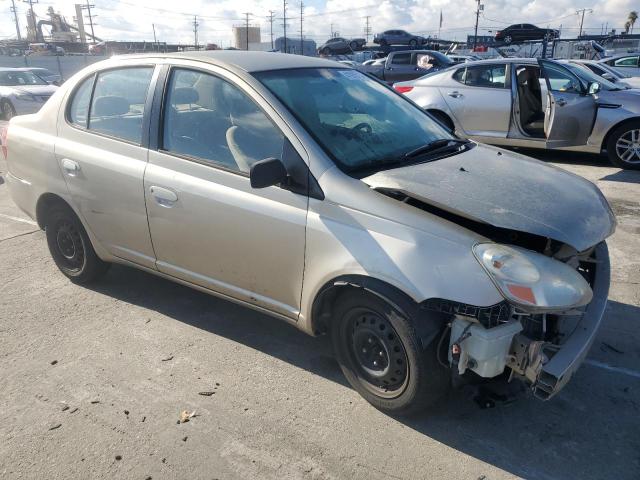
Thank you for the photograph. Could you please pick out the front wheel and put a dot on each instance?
(382, 357)
(7, 110)
(623, 146)
(508, 39)
(71, 248)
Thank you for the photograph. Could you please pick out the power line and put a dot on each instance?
(195, 31)
(301, 35)
(270, 17)
(88, 8)
(15, 16)
(582, 11)
(246, 27)
(367, 28)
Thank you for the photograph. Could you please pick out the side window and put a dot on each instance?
(118, 102)
(79, 109)
(561, 80)
(626, 62)
(401, 59)
(487, 76)
(425, 61)
(209, 119)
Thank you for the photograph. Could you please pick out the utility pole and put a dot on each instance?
(195, 31)
(155, 40)
(301, 36)
(475, 35)
(582, 11)
(15, 16)
(270, 17)
(367, 28)
(88, 8)
(284, 24)
(246, 28)
(33, 19)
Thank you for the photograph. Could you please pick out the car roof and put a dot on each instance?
(242, 59)
(529, 61)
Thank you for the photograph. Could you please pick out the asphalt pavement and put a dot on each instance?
(93, 382)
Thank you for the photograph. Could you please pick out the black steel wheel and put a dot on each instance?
(413, 42)
(377, 353)
(70, 246)
(382, 357)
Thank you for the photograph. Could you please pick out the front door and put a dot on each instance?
(209, 227)
(570, 110)
(102, 154)
(400, 67)
(480, 99)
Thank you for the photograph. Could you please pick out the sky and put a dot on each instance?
(133, 19)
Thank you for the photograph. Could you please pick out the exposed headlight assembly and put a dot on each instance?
(531, 280)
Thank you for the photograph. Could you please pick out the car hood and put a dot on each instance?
(510, 191)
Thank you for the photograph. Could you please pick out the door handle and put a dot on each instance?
(561, 102)
(71, 167)
(455, 94)
(163, 196)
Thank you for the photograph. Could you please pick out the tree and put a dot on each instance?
(631, 20)
(627, 26)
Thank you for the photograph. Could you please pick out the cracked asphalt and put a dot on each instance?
(93, 381)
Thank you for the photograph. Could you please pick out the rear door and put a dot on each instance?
(101, 150)
(480, 99)
(570, 111)
(400, 67)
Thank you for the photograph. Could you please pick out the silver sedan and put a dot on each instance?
(22, 92)
(536, 104)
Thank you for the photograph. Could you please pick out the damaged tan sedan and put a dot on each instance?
(310, 191)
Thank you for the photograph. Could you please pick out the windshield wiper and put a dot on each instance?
(435, 146)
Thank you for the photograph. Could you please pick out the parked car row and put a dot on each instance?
(310, 191)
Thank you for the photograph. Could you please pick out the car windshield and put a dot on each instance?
(588, 76)
(361, 124)
(20, 78)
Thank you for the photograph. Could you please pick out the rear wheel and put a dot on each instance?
(623, 146)
(326, 51)
(353, 45)
(71, 248)
(382, 357)
(508, 39)
(7, 110)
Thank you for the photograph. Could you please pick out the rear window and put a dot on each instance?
(401, 59)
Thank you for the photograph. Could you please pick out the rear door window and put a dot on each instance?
(117, 106)
(488, 76)
(401, 59)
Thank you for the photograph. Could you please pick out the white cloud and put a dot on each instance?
(133, 19)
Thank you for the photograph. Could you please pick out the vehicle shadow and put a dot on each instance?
(624, 176)
(588, 431)
(566, 157)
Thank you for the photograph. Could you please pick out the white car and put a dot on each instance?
(617, 76)
(22, 92)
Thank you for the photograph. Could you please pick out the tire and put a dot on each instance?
(413, 42)
(623, 146)
(353, 46)
(71, 248)
(7, 110)
(383, 43)
(443, 118)
(366, 330)
(508, 39)
(326, 51)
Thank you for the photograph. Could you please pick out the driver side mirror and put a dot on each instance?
(608, 76)
(594, 87)
(267, 172)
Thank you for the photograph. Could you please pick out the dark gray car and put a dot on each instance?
(398, 37)
(341, 45)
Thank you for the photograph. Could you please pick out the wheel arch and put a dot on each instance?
(45, 203)
(614, 127)
(427, 324)
(443, 116)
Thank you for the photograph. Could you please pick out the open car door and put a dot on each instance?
(570, 110)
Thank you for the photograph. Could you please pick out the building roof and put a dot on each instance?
(248, 61)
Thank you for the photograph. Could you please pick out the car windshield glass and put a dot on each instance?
(588, 77)
(20, 78)
(360, 123)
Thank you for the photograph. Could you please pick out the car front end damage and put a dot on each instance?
(542, 348)
(541, 236)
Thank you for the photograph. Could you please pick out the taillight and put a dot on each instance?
(402, 88)
(4, 131)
